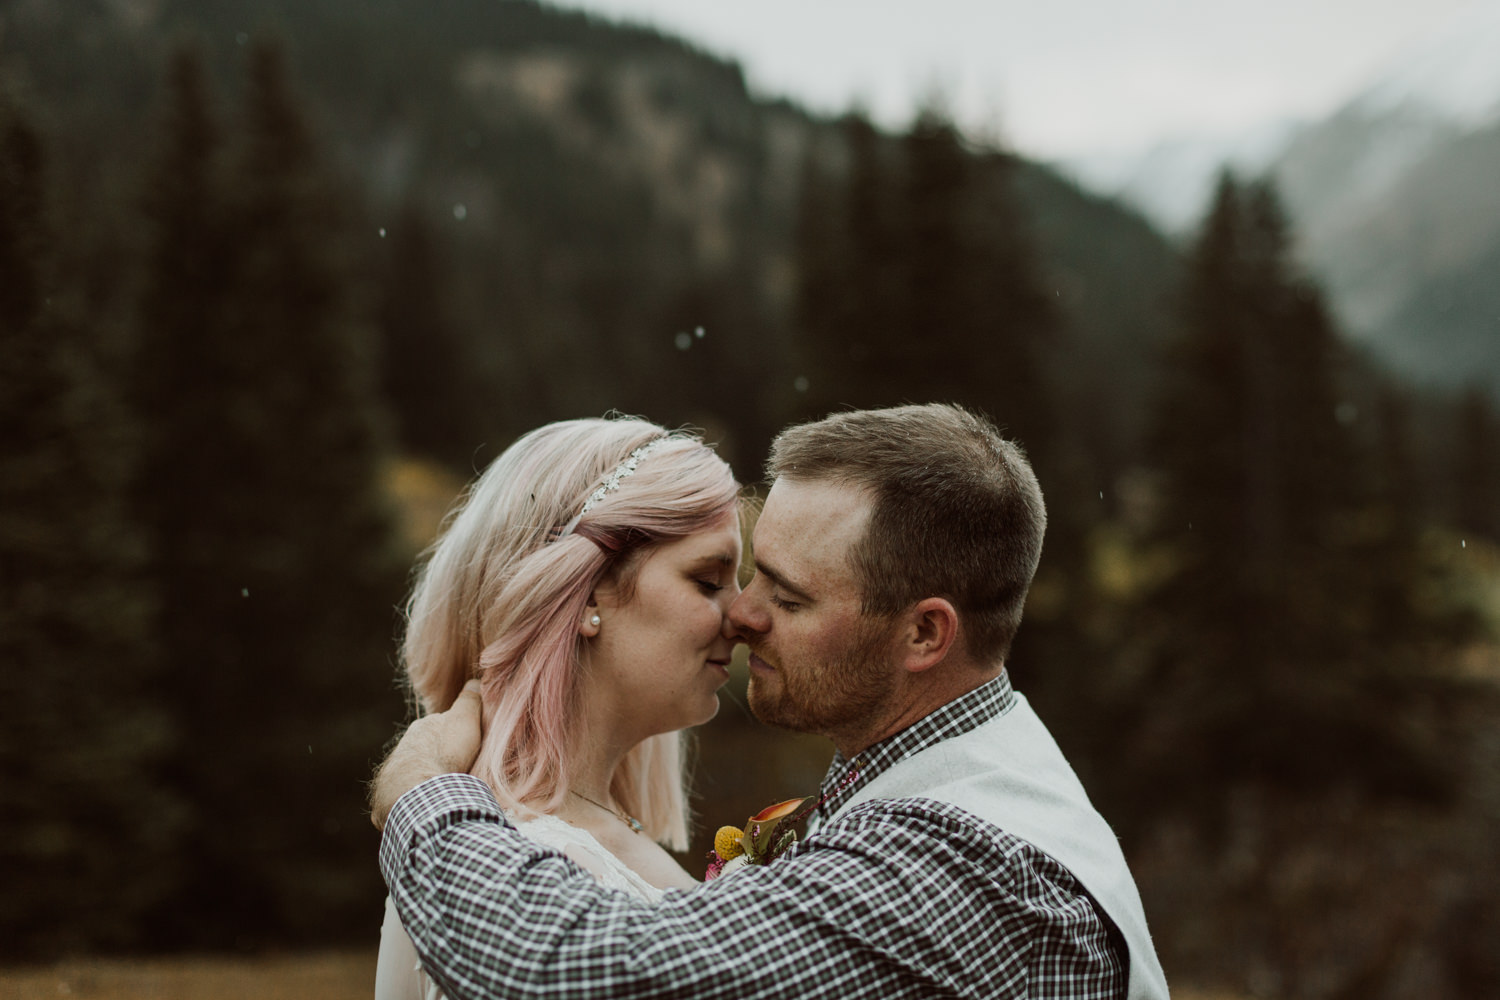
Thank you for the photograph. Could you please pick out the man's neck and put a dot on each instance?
(913, 702)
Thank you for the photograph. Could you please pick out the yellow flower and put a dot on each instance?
(727, 843)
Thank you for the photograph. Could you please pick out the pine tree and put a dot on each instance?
(1224, 435)
(1266, 612)
(272, 544)
(23, 241)
(821, 267)
(1014, 308)
(921, 283)
(1394, 554)
(1476, 473)
(973, 301)
(851, 292)
(80, 740)
(425, 373)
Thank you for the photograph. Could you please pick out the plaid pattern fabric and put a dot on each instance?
(845, 777)
(895, 898)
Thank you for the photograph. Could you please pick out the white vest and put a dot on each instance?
(1010, 773)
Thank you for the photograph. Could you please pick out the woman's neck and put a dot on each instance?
(589, 802)
(592, 770)
(603, 737)
(598, 748)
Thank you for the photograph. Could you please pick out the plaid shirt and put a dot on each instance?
(845, 777)
(894, 898)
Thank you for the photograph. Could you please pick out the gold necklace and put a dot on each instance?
(630, 821)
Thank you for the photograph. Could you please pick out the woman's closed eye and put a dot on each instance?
(710, 586)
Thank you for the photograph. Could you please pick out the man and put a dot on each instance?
(955, 853)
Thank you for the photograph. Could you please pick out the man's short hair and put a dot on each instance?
(957, 512)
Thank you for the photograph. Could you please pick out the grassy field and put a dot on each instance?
(323, 976)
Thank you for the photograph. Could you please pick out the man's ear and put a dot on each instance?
(930, 632)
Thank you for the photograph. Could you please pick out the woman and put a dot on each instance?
(584, 581)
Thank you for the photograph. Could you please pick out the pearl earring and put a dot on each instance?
(594, 621)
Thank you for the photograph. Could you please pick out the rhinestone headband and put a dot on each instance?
(622, 472)
(612, 482)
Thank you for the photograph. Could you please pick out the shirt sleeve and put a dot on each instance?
(877, 905)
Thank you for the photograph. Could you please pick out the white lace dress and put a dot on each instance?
(398, 973)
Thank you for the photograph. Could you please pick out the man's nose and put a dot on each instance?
(744, 619)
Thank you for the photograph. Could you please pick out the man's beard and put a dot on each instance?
(840, 696)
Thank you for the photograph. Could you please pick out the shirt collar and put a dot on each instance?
(969, 711)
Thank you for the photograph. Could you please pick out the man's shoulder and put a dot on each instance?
(942, 835)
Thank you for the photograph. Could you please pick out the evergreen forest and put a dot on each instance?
(277, 277)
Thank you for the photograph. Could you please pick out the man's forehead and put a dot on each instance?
(800, 510)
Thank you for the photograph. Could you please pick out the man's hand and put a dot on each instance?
(444, 743)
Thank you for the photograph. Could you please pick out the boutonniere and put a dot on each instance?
(765, 837)
(770, 833)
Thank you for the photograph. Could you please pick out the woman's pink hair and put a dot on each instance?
(502, 595)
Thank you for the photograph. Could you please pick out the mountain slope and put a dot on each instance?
(1453, 72)
(1395, 197)
(1173, 180)
(592, 189)
(1447, 330)
(1398, 197)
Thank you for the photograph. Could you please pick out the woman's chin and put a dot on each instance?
(710, 710)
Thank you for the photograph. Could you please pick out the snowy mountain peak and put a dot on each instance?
(1453, 72)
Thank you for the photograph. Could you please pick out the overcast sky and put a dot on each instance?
(1056, 77)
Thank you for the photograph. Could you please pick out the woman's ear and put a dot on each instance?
(590, 623)
(931, 629)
